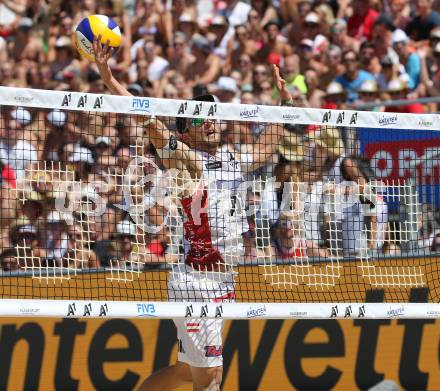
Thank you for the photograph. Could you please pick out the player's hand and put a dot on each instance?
(102, 53)
(280, 84)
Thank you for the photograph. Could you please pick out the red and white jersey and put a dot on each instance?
(214, 215)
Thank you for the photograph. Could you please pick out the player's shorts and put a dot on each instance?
(199, 339)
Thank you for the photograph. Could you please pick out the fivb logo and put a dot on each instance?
(140, 104)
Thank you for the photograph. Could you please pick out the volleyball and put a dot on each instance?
(92, 26)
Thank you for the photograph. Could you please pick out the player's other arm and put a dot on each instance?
(267, 143)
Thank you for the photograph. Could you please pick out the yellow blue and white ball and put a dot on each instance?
(91, 27)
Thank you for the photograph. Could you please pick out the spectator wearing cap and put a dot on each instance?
(425, 20)
(124, 237)
(274, 43)
(311, 26)
(82, 160)
(387, 73)
(56, 134)
(15, 151)
(27, 239)
(410, 61)
(178, 8)
(361, 22)
(398, 89)
(104, 154)
(26, 49)
(135, 89)
(236, 11)
(188, 26)
(305, 53)
(219, 33)
(369, 93)
(335, 96)
(55, 237)
(226, 90)
(353, 77)
(334, 65)
(340, 38)
(206, 65)
(61, 58)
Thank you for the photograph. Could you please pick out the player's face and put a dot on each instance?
(204, 133)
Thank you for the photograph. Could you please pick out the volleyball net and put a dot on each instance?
(284, 212)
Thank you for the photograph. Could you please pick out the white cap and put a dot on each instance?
(227, 84)
(54, 217)
(126, 227)
(63, 42)
(334, 88)
(81, 154)
(312, 17)
(368, 86)
(22, 116)
(103, 139)
(28, 229)
(400, 36)
(319, 42)
(307, 42)
(57, 118)
(396, 85)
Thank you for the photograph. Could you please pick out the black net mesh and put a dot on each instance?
(123, 207)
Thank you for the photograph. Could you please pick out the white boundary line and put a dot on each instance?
(180, 108)
(167, 310)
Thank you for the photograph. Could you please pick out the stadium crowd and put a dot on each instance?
(333, 54)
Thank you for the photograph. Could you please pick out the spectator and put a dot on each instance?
(369, 93)
(274, 44)
(410, 61)
(353, 77)
(8, 260)
(397, 90)
(400, 13)
(424, 21)
(335, 96)
(15, 150)
(340, 38)
(360, 24)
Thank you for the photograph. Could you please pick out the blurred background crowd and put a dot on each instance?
(333, 54)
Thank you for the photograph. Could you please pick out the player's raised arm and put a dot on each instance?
(267, 143)
(102, 55)
(174, 153)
